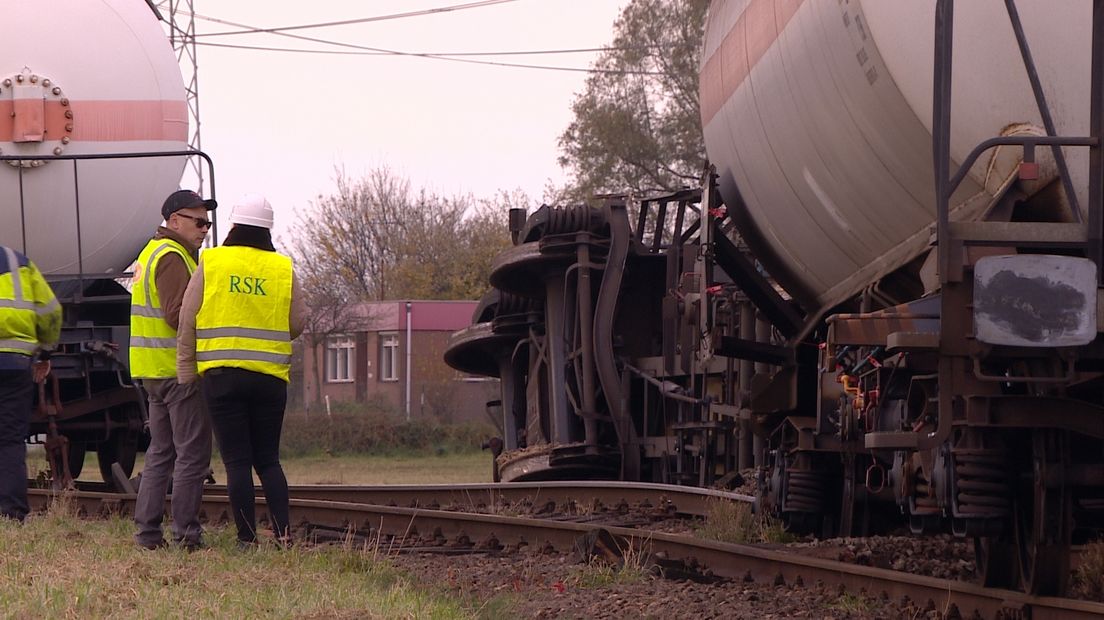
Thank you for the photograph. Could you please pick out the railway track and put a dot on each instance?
(539, 497)
(401, 528)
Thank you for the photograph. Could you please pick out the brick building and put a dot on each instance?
(395, 352)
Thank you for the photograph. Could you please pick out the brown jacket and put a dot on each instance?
(172, 276)
(193, 300)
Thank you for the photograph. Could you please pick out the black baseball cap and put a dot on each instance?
(184, 199)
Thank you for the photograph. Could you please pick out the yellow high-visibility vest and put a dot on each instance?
(245, 318)
(152, 339)
(30, 315)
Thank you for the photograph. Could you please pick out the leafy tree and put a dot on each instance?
(449, 244)
(637, 123)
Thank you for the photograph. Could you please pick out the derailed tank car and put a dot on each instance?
(887, 302)
(91, 105)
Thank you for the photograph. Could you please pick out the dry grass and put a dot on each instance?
(1088, 578)
(734, 522)
(635, 567)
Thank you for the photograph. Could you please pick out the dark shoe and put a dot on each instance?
(153, 546)
(191, 545)
(247, 545)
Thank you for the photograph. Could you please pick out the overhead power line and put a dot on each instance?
(434, 56)
(578, 50)
(347, 22)
(361, 49)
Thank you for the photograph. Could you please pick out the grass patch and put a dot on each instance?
(735, 522)
(635, 566)
(58, 566)
(411, 467)
(1088, 578)
(597, 575)
(375, 469)
(852, 604)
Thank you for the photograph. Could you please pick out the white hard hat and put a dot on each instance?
(252, 210)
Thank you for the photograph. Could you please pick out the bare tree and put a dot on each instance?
(348, 236)
(375, 239)
(331, 311)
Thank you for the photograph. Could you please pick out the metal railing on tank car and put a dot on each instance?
(81, 276)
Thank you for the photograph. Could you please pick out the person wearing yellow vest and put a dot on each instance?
(240, 313)
(180, 430)
(30, 324)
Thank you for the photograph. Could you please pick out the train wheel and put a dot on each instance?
(854, 515)
(76, 457)
(1043, 519)
(121, 448)
(997, 562)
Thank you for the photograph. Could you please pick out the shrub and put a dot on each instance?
(374, 428)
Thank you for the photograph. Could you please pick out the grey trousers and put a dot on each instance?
(180, 449)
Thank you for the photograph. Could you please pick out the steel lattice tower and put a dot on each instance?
(181, 22)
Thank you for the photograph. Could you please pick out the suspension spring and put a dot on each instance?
(981, 482)
(804, 491)
(571, 219)
(923, 494)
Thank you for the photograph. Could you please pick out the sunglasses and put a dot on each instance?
(199, 221)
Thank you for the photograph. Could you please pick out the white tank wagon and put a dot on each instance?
(86, 77)
(967, 403)
(818, 114)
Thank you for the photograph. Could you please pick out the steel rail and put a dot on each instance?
(394, 527)
(681, 500)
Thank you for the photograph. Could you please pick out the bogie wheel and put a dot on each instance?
(854, 514)
(76, 457)
(121, 447)
(1044, 518)
(997, 562)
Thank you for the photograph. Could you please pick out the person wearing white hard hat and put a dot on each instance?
(240, 313)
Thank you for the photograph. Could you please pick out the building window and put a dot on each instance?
(389, 357)
(340, 359)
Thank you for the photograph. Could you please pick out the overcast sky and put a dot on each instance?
(279, 123)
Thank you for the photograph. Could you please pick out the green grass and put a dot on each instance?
(407, 468)
(852, 604)
(373, 469)
(58, 566)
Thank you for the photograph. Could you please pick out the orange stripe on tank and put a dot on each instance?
(108, 121)
(754, 32)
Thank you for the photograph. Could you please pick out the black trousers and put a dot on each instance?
(16, 402)
(247, 414)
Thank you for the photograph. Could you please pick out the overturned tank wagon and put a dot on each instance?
(92, 104)
(883, 301)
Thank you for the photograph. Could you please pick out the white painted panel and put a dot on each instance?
(97, 51)
(832, 148)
